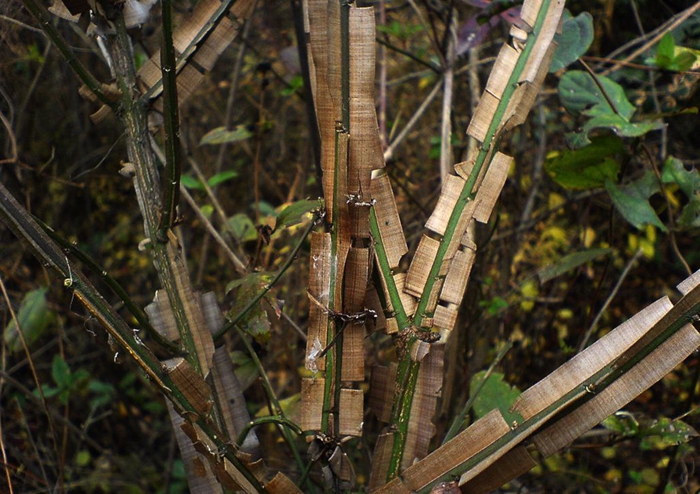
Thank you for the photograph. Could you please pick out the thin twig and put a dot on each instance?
(272, 396)
(672, 24)
(239, 266)
(609, 300)
(389, 153)
(32, 367)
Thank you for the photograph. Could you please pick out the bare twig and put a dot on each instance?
(672, 24)
(609, 300)
(389, 153)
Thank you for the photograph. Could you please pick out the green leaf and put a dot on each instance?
(190, 182)
(245, 369)
(674, 172)
(666, 47)
(580, 93)
(243, 227)
(588, 167)
(292, 214)
(33, 317)
(222, 177)
(665, 432)
(495, 393)
(61, 372)
(569, 262)
(221, 136)
(574, 41)
(622, 423)
(632, 201)
(494, 306)
(690, 216)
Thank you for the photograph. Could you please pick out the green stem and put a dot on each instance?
(281, 421)
(44, 249)
(167, 258)
(275, 402)
(46, 20)
(283, 269)
(155, 90)
(134, 309)
(173, 155)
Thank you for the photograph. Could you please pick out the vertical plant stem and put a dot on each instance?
(173, 155)
(167, 259)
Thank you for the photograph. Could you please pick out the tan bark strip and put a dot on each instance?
(351, 412)
(319, 289)
(200, 478)
(513, 464)
(630, 385)
(365, 145)
(466, 444)
(418, 272)
(356, 279)
(380, 466)
(190, 384)
(311, 403)
(230, 402)
(446, 316)
(420, 426)
(458, 275)
(526, 93)
(502, 70)
(447, 201)
(161, 317)
(381, 390)
(388, 219)
(281, 484)
(481, 120)
(689, 283)
(491, 187)
(353, 353)
(585, 364)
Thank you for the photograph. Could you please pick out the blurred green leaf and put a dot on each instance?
(579, 92)
(569, 262)
(588, 167)
(222, 177)
(33, 317)
(495, 393)
(292, 214)
(665, 432)
(245, 369)
(690, 216)
(243, 227)
(632, 201)
(221, 136)
(60, 372)
(190, 182)
(575, 39)
(687, 180)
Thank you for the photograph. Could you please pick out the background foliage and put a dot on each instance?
(625, 201)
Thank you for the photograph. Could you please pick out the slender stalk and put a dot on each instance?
(267, 385)
(134, 309)
(281, 421)
(297, 9)
(283, 269)
(171, 117)
(37, 9)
